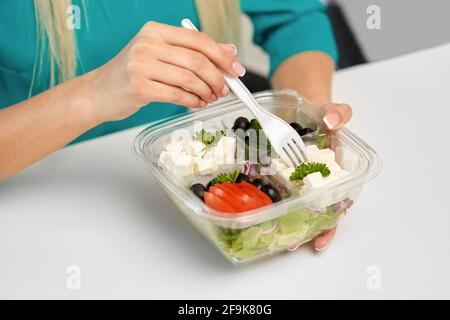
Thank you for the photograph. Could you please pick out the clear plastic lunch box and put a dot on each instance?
(282, 226)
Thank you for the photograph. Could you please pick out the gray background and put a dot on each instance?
(406, 26)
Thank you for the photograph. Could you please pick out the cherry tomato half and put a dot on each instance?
(235, 197)
(217, 203)
(263, 198)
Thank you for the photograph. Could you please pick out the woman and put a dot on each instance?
(59, 84)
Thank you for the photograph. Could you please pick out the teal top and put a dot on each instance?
(282, 29)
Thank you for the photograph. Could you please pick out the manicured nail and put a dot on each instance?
(238, 69)
(230, 48)
(234, 48)
(331, 120)
(321, 249)
(224, 91)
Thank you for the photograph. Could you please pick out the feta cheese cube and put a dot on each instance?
(310, 151)
(174, 147)
(204, 165)
(327, 155)
(178, 163)
(324, 155)
(174, 150)
(325, 200)
(163, 158)
(218, 153)
(318, 203)
(278, 165)
(286, 173)
(333, 166)
(314, 180)
(222, 141)
(182, 165)
(313, 158)
(196, 147)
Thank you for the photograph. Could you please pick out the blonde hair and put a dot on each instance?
(54, 35)
(218, 18)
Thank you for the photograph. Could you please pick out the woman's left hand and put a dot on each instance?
(310, 74)
(336, 115)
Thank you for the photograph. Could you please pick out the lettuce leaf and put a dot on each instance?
(323, 222)
(275, 234)
(294, 222)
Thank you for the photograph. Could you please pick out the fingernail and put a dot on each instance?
(231, 48)
(224, 91)
(331, 120)
(234, 49)
(213, 98)
(203, 103)
(321, 249)
(238, 69)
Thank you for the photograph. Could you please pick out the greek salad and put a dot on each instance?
(210, 167)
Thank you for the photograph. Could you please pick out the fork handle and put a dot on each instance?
(236, 85)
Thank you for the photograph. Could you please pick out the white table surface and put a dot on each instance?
(94, 206)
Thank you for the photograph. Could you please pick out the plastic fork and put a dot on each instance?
(283, 138)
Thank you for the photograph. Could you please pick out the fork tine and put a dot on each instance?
(300, 146)
(297, 150)
(299, 142)
(283, 155)
(291, 155)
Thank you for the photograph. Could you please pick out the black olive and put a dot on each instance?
(257, 182)
(254, 124)
(208, 185)
(305, 131)
(241, 123)
(296, 126)
(242, 177)
(272, 192)
(198, 189)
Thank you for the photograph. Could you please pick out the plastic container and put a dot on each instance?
(279, 227)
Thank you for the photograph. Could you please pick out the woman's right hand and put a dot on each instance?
(161, 63)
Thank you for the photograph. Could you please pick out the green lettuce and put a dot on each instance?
(276, 234)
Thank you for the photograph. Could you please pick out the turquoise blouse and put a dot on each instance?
(282, 28)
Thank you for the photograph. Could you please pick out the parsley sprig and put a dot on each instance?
(226, 177)
(208, 137)
(306, 168)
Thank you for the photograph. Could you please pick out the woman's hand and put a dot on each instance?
(310, 74)
(335, 117)
(162, 63)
